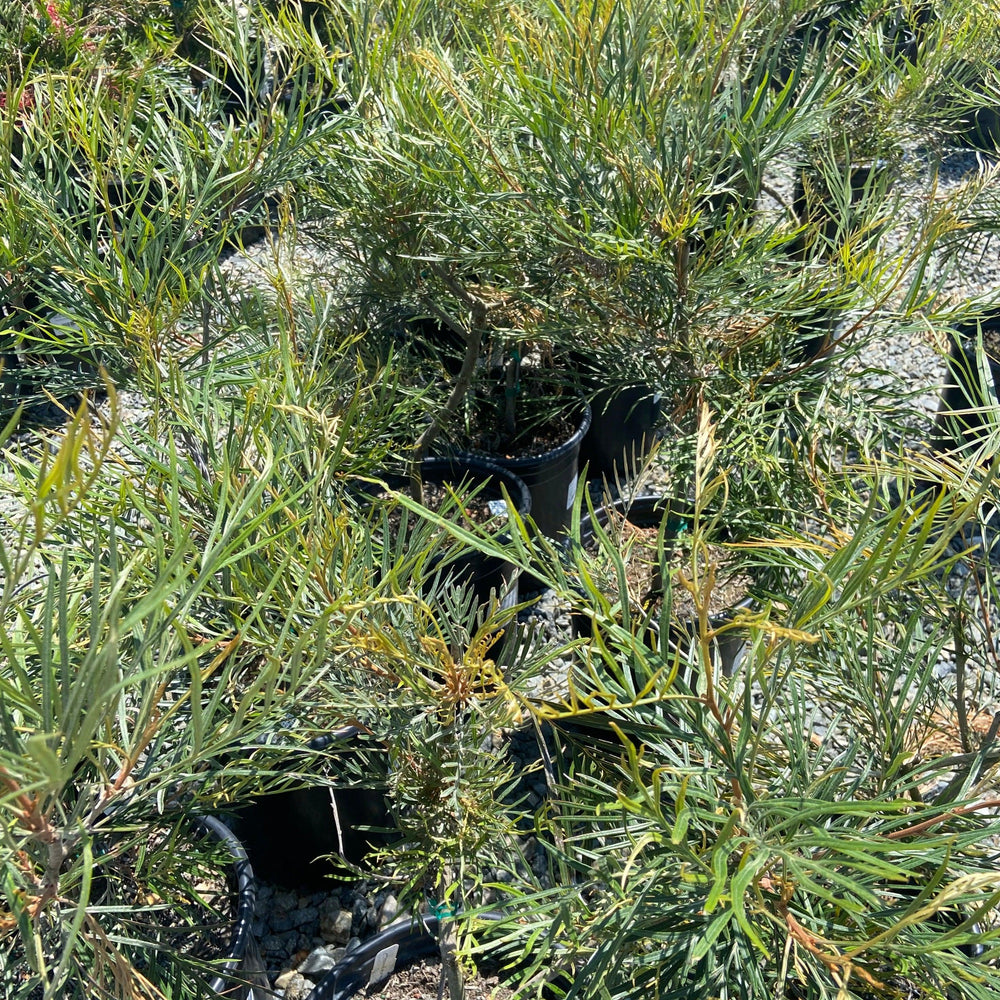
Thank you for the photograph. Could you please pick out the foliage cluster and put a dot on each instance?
(435, 191)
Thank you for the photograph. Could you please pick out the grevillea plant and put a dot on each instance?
(165, 591)
(819, 822)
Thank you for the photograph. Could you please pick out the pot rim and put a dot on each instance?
(439, 466)
(553, 454)
(242, 941)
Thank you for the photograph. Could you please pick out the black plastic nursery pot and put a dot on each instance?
(363, 971)
(970, 399)
(485, 575)
(222, 935)
(552, 477)
(973, 121)
(623, 431)
(905, 30)
(243, 977)
(367, 967)
(47, 386)
(649, 512)
(303, 837)
(979, 128)
(813, 202)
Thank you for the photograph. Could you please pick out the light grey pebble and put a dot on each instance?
(390, 910)
(295, 985)
(317, 962)
(337, 930)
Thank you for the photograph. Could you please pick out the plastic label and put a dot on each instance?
(498, 508)
(571, 492)
(384, 965)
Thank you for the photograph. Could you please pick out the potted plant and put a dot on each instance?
(510, 249)
(665, 824)
(114, 207)
(964, 418)
(124, 686)
(335, 814)
(525, 418)
(418, 675)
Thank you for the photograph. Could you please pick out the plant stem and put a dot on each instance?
(451, 971)
(513, 377)
(473, 342)
(961, 658)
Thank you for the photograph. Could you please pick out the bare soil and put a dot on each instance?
(545, 417)
(478, 511)
(644, 573)
(422, 980)
(530, 443)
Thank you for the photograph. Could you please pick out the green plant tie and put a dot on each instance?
(515, 390)
(443, 910)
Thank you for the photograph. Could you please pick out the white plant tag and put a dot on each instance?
(498, 508)
(571, 492)
(384, 965)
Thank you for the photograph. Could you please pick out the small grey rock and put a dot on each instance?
(338, 929)
(295, 985)
(317, 962)
(277, 944)
(281, 922)
(390, 909)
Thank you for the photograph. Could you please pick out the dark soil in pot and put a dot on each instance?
(636, 529)
(529, 418)
(422, 979)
